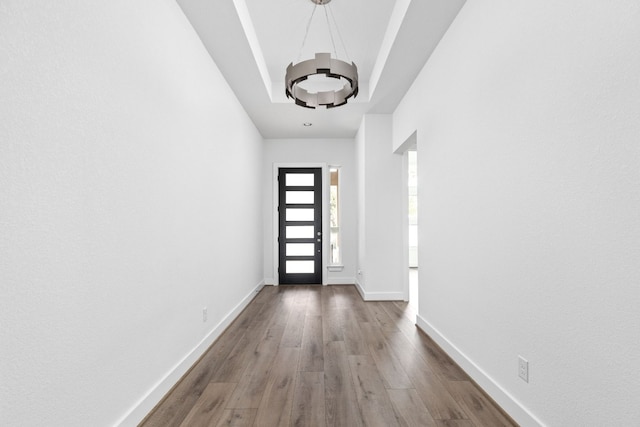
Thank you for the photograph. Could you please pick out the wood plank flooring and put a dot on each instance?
(318, 356)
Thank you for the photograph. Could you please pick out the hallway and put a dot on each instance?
(319, 355)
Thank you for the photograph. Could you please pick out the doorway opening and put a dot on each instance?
(409, 151)
(412, 216)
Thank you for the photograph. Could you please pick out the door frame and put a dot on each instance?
(410, 144)
(325, 216)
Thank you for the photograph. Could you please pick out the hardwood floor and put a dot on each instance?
(320, 356)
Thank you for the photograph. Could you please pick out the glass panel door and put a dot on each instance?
(300, 230)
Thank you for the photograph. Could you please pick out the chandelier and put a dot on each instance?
(323, 64)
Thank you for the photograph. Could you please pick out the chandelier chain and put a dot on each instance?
(335, 51)
(344, 47)
(306, 33)
(322, 64)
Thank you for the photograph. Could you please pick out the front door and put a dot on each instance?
(300, 225)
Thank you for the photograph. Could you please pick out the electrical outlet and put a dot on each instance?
(204, 314)
(523, 369)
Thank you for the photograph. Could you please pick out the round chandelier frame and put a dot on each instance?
(331, 68)
(322, 64)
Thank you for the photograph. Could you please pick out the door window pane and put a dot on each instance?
(299, 197)
(299, 232)
(300, 267)
(299, 180)
(300, 249)
(300, 215)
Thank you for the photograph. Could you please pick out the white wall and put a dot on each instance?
(129, 182)
(381, 262)
(527, 119)
(332, 152)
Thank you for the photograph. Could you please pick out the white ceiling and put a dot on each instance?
(253, 41)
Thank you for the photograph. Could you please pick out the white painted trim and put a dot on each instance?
(411, 143)
(341, 280)
(384, 296)
(326, 223)
(378, 296)
(405, 227)
(509, 404)
(325, 214)
(276, 229)
(360, 290)
(162, 387)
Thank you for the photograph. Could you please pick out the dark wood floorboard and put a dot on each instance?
(318, 356)
(308, 402)
(277, 400)
(410, 408)
(237, 418)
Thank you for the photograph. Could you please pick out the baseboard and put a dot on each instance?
(158, 391)
(341, 280)
(384, 296)
(360, 290)
(269, 281)
(507, 402)
(378, 296)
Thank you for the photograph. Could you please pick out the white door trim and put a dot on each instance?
(410, 144)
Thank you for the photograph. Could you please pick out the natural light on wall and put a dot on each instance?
(334, 217)
(413, 209)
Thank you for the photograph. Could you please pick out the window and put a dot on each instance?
(334, 217)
